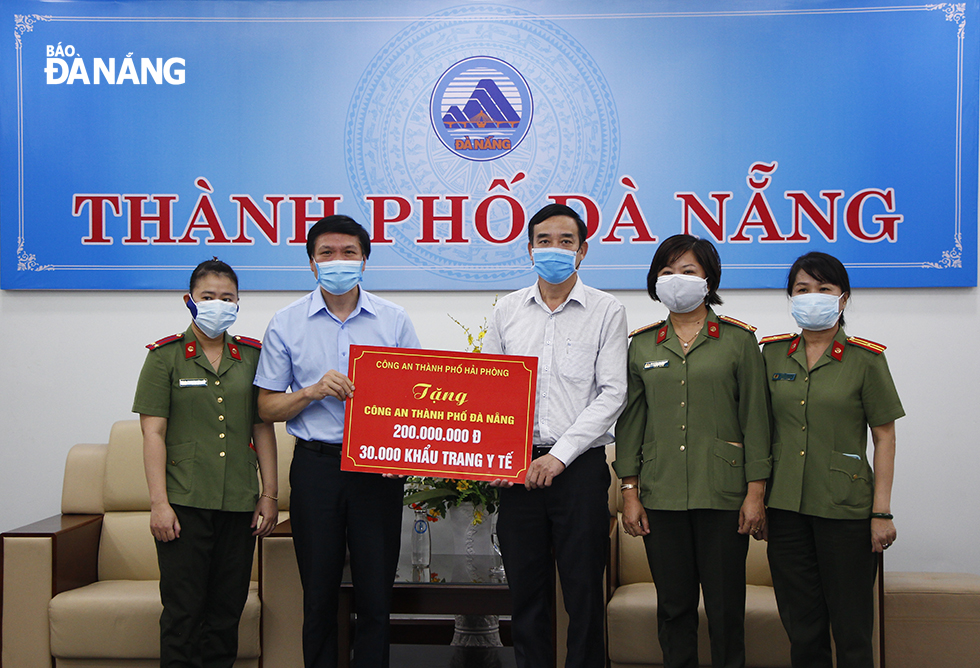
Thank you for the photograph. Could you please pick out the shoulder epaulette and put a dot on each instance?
(776, 337)
(248, 341)
(737, 323)
(640, 330)
(876, 348)
(164, 341)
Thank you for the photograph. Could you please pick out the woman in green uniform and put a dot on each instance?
(828, 512)
(692, 450)
(202, 440)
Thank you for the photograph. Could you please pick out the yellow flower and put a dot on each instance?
(462, 485)
(477, 517)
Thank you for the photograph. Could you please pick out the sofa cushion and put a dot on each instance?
(930, 612)
(121, 620)
(127, 550)
(84, 467)
(124, 487)
(632, 618)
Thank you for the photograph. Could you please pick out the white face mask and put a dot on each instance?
(213, 317)
(681, 293)
(816, 311)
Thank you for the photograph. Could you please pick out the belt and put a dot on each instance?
(320, 447)
(540, 451)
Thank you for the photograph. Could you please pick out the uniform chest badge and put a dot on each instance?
(784, 376)
(193, 382)
(656, 364)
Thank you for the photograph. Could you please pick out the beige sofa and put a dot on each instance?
(931, 619)
(81, 589)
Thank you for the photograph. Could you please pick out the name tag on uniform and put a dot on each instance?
(193, 382)
(657, 364)
(784, 376)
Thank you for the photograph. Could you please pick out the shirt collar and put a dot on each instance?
(578, 294)
(364, 303)
(192, 350)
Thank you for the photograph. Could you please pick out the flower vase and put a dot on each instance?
(471, 530)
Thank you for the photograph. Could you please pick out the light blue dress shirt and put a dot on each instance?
(305, 340)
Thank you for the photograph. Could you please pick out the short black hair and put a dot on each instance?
(552, 210)
(675, 246)
(215, 267)
(823, 267)
(338, 224)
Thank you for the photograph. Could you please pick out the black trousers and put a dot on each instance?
(571, 520)
(204, 578)
(693, 552)
(333, 511)
(823, 572)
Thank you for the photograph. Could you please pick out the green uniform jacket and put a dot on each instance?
(683, 416)
(210, 461)
(820, 424)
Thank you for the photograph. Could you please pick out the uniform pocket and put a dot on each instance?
(851, 481)
(180, 465)
(728, 469)
(578, 361)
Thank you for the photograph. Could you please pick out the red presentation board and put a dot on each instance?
(439, 413)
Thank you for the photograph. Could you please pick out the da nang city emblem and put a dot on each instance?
(481, 108)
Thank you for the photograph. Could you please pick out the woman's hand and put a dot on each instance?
(752, 514)
(266, 517)
(163, 523)
(883, 534)
(635, 521)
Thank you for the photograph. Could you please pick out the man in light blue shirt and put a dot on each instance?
(306, 350)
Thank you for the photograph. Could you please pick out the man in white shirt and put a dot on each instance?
(579, 336)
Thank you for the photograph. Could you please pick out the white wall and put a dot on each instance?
(70, 363)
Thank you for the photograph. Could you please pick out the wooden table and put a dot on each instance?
(422, 612)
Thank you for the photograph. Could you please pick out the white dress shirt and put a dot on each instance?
(581, 351)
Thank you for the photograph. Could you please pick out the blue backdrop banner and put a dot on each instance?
(139, 138)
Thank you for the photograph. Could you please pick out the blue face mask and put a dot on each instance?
(815, 311)
(213, 317)
(554, 265)
(339, 276)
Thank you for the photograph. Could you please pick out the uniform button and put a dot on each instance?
(683, 448)
(221, 435)
(802, 453)
(804, 427)
(221, 400)
(806, 378)
(221, 454)
(683, 361)
(802, 402)
(683, 382)
(683, 427)
(217, 382)
(221, 418)
(174, 462)
(683, 404)
(855, 477)
(733, 462)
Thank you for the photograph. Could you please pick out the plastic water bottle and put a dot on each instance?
(421, 545)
